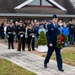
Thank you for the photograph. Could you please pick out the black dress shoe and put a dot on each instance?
(72, 43)
(33, 49)
(19, 50)
(12, 48)
(23, 50)
(45, 65)
(29, 49)
(61, 70)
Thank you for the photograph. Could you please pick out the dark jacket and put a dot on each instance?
(1, 28)
(36, 30)
(21, 31)
(10, 33)
(31, 32)
(71, 28)
(52, 34)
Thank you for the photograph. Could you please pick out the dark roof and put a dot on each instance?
(42, 10)
(7, 6)
(60, 2)
(68, 5)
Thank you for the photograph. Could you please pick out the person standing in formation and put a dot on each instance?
(31, 37)
(10, 35)
(21, 36)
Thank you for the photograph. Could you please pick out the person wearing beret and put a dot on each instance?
(51, 34)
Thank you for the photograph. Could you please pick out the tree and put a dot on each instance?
(42, 40)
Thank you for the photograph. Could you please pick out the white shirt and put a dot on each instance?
(5, 28)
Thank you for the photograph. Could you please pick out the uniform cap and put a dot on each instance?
(55, 16)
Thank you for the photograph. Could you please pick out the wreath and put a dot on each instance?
(62, 41)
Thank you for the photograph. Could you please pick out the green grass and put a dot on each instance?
(8, 68)
(68, 56)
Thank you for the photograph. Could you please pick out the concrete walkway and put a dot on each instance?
(33, 62)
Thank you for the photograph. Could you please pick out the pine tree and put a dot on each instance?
(42, 39)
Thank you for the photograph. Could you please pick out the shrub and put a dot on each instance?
(42, 39)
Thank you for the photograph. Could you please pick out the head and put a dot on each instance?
(5, 24)
(28, 21)
(55, 19)
(65, 24)
(37, 24)
(10, 23)
(41, 26)
(60, 23)
(30, 26)
(70, 22)
(20, 22)
(32, 23)
(35, 21)
(16, 22)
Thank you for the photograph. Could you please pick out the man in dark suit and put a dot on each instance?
(53, 31)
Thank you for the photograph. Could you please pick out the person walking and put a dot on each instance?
(51, 34)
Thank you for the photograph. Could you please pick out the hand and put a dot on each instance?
(50, 45)
(21, 35)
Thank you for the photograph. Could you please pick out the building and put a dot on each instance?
(35, 9)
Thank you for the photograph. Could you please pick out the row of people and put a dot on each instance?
(67, 29)
(23, 32)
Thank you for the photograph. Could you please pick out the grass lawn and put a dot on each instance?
(8, 68)
(68, 55)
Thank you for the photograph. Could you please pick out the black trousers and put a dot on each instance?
(10, 43)
(58, 56)
(31, 43)
(21, 44)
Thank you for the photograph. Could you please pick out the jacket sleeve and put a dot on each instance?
(48, 34)
(7, 30)
(61, 30)
(68, 31)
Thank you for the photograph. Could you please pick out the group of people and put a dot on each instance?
(28, 32)
(69, 30)
(23, 33)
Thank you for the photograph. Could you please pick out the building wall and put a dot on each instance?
(38, 19)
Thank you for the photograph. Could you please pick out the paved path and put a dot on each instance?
(33, 62)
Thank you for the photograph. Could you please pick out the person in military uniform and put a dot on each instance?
(10, 35)
(21, 36)
(53, 31)
(31, 37)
